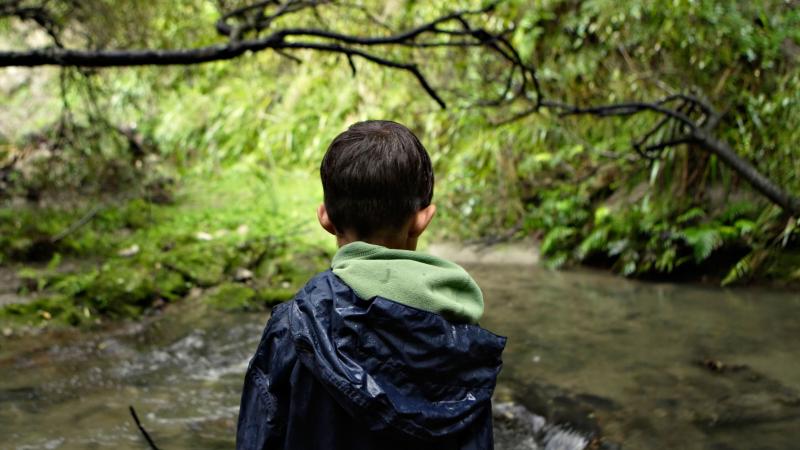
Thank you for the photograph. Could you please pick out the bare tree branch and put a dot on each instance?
(683, 118)
(254, 18)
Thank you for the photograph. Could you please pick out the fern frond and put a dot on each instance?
(702, 240)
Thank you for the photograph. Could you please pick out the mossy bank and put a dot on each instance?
(235, 240)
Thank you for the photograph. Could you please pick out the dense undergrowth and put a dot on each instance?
(573, 183)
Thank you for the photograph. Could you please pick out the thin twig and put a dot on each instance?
(149, 440)
(77, 225)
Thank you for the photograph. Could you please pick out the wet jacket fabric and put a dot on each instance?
(337, 371)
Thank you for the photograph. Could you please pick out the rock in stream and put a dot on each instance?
(516, 428)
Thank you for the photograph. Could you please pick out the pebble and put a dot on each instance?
(130, 251)
(242, 274)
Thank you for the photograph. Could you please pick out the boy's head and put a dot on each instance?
(378, 184)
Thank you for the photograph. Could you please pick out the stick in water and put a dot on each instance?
(141, 428)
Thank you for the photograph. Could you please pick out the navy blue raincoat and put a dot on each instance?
(335, 371)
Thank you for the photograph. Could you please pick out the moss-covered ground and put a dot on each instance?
(241, 238)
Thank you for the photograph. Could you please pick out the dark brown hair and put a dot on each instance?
(375, 176)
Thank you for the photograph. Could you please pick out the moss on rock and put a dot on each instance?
(170, 285)
(216, 233)
(230, 296)
(121, 290)
(55, 308)
(273, 296)
(203, 263)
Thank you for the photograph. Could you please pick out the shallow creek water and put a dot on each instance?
(647, 366)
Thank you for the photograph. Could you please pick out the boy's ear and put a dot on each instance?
(421, 220)
(324, 220)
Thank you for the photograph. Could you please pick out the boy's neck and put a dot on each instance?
(398, 242)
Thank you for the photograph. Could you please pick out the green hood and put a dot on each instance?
(412, 278)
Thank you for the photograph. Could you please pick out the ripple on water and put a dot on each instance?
(590, 355)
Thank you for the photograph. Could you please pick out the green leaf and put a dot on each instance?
(690, 215)
(703, 241)
(601, 214)
(592, 244)
(745, 226)
(556, 239)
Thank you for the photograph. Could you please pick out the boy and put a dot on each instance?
(383, 351)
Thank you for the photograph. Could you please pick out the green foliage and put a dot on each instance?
(43, 310)
(219, 228)
(230, 296)
(237, 296)
(572, 182)
(645, 240)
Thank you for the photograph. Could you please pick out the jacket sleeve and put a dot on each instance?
(264, 404)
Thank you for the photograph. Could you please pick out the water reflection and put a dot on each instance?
(645, 350)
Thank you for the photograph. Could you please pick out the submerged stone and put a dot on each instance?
(745, 397)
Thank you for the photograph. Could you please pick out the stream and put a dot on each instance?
(629, 364)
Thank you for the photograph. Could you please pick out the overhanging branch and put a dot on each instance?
(250, 20)
(683, 119)
(693, 122)
(125, 58)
